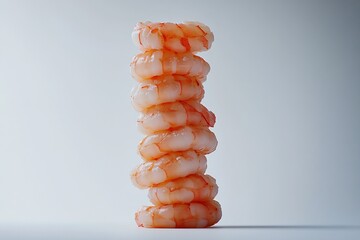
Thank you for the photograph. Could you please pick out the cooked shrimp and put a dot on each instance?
(168, 97)
(176, 114)
(165, 89)
(156, 63)
(168, 167)
(190, 215)
(199, 139)
(193, 188)
(183, 37)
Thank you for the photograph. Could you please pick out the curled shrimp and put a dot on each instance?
(169, 90)
(157, 62)
(193, 188)
(189, 215)
(165, 89)
(168, 167)
(175, 114)
(183, 37)
(199, 139)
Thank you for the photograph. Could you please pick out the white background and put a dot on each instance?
(284, 85)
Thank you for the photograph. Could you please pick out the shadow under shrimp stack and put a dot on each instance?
(176, 125)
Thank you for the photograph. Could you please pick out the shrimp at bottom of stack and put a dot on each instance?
(168, 95)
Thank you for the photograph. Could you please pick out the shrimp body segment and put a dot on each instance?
(168, 167)
(189, 215)
(192, 188)
(183, 37)
(173, 115)
(165, 89)
(158, 62)
(199, 139)
(168, 96)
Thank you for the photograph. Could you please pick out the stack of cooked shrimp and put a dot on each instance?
(168, 94)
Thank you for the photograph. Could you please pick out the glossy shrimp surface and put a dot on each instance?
(190, 215)
(158, 62)
(173, 115)
(182, 37)
(171, 166)
(165, 89)
(199, 139)
(192, 188)
(168, 95)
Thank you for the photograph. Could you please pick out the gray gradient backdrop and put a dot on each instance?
(284, 84)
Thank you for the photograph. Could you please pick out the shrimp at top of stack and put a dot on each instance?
(168, 95)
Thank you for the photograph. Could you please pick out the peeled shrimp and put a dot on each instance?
(168, 95)
(168, 167)
(183, 37)
(199, 139)
(175, 114)
(165, 89)
(190, 215)
(193, 188)
(158, 62)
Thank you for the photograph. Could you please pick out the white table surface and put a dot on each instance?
(218, 232)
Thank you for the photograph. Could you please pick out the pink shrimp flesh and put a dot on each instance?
(182, 37)
(168, 96)
(171, 166)
(192, 188)
(199, 139)
(189, 215)
(161, 62)
(165, 89)
(173, 115)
